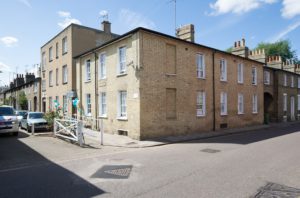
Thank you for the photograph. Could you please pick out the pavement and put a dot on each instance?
(93, 138)
(261, 163)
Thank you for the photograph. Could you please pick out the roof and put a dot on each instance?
(27, 83)
(281, 70)
(160, 34)
(76, 25)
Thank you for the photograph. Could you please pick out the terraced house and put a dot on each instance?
(281, 84)
(146, 84)
(58, 66)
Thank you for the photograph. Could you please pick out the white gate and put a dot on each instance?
(69, 129)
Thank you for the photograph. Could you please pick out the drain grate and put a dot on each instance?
(208, 150)
(272, 190)
(113, 172)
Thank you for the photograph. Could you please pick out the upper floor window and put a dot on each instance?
(43, 85)
(50, 103)
(50, 54)
(57, 78)
(65, 74)
(56, 50)
(88, 70)
(201, 103)
(266, 77)
(43, 61)
(284, 80)
(122, 60)
(223, 70)
(65, 104)
(223, 101)
(200, 66)
(50, 78)
(298, 82)
(240, 73)
(292, 81)
(64, 45)
(102, 66)
(35, 89)
(254, 76)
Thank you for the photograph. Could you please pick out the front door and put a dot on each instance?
(292, 108)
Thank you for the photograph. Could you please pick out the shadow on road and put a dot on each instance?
(252, 136)
(26, 173)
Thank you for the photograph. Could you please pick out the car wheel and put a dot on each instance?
(15, 133)
(28, 128)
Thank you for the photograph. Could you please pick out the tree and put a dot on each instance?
(23, 102)
(282, 48)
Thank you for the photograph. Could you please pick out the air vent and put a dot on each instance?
(123, 132)
(223, 125)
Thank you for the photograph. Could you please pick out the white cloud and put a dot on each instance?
(285, 32)
(133, 19)
(9, 41)
(4, 67)
(103, 12)
(26, 3)
(67, 19)
(237, 6)
(291, 8)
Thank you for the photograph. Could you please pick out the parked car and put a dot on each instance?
(20, 115)
(36, 118)
(8, 120)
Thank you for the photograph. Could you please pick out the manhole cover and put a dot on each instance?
(210, 150)
(113, 172)
(272, 190)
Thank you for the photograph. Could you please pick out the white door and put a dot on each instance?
(292, 108)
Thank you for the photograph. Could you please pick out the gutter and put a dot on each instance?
(96, 87)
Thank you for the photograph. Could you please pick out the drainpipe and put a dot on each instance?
(214, 90)
(96, 88)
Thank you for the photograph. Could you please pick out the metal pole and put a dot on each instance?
(32, 129)
(54, 126)
(101, 130)
(80, 133)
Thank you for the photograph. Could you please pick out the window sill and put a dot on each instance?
(255, 113)
(50, 85)
(241, 113)
(50, 60)
(122, 118)
(120, 75)
(201, 78)
(225, 81)
(200, 116)
(87, 81)
(104, 78)
(64, 83)
(103, 117)
(240, 83)
(170, 74)
(224, 114)
(64, 53)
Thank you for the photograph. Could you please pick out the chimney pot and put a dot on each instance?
(243, 42)
(235, 45)
(239, 43)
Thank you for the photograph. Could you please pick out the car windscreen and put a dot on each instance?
(21, 113)
(36, 115)
(6, 111)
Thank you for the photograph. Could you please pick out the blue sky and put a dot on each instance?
(25, 25)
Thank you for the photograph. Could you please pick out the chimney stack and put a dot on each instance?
(106, 26)
(186, 33)
(240, 48)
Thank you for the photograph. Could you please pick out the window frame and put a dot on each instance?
(64, 45)
(65, 74)
(240, 73)
(50, 54)
(223, 101)
(285, 80)
(102, 105)
(254, 75)
(121, 114)
(284, 100)
(267, 78)
(102, 66)
(88, 73)
(88, 102)
(223, 70)
(200, 66)
(201, 112)
(50, 78)
(254, 104)
(122, 70)
(241, 104)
